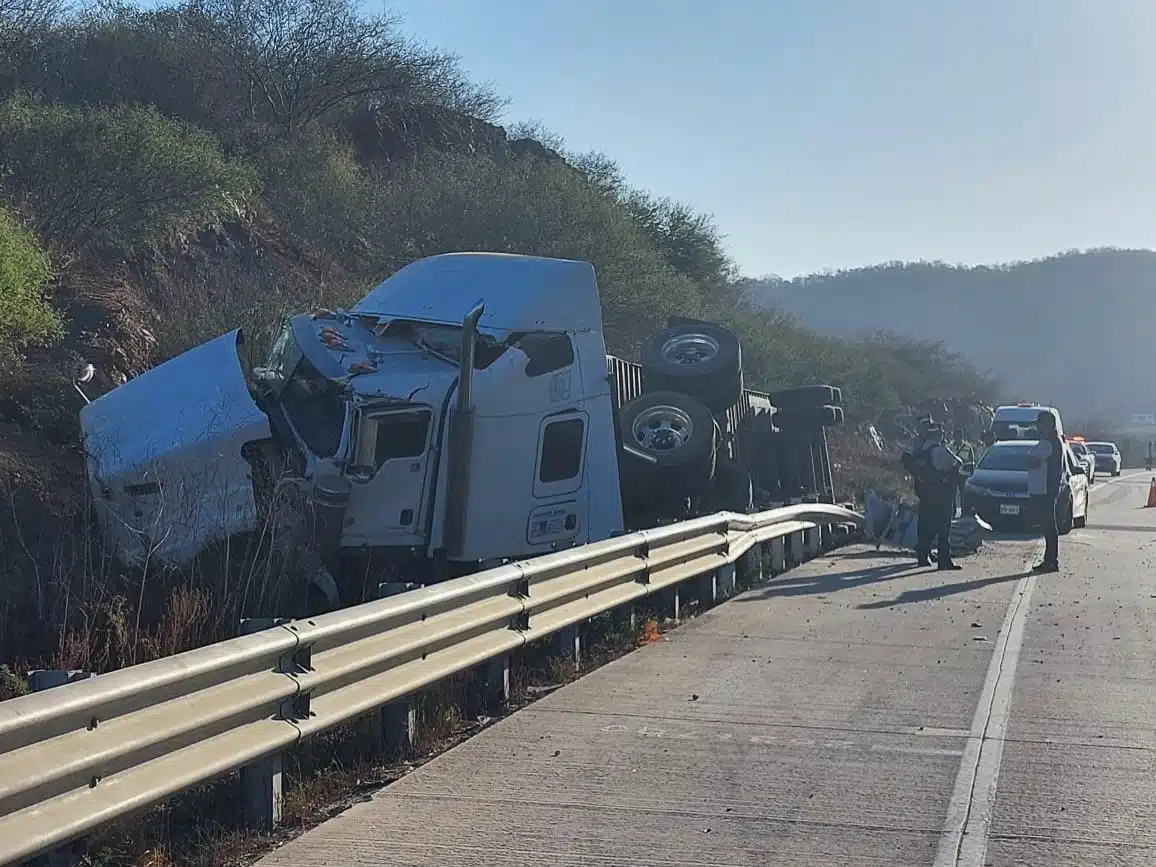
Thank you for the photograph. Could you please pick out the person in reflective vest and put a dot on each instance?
(966, 454)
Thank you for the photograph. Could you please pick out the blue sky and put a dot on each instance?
(835, 133)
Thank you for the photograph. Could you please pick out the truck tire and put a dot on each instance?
(698, 359)
(806, 396)
(733, 489)
(1065, 520)
(676, 430)
(797, 418)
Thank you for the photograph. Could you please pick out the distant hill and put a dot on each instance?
(1077, 329)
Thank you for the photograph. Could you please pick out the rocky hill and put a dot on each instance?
(1073, 329)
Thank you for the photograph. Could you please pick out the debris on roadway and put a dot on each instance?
(897, 524)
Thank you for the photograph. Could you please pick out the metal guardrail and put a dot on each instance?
(86, 753)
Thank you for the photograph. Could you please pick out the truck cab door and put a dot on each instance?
(559, 472)
(389, 469)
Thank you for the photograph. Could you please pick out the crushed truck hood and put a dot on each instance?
(164, 454)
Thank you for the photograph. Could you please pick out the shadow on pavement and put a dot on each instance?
(941, 591)
(881, 554)
(828, 583)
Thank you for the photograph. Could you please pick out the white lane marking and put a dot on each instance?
(963, 842)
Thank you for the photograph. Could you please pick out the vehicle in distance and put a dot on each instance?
(1019, 421)
(1084, 456)
(1108, 459)
(998, 489)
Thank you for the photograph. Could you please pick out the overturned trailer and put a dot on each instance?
(464, 413)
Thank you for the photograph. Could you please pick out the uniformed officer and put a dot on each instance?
(939, 468)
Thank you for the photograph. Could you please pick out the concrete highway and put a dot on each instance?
(857, 711)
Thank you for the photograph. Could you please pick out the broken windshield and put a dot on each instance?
(315, 406)
(284, 356)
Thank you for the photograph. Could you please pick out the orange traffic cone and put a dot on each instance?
(1151, 495)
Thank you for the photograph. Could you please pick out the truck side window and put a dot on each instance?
(562, 450)
(546, 352)
(400, 435)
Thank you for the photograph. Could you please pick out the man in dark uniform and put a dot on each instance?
(934, 470)
(1045, 472)
(937, 502)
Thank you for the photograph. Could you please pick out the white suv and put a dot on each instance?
(1108, 458)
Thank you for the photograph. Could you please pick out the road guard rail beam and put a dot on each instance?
(87, 753)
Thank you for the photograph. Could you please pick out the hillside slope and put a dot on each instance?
(1074, 329)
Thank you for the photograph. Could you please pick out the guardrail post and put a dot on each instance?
(490, 689)
(669, 599)
(726, 581)
(568, 645)
(706, 589)
(751, 567)
(778, 555)
(39, 680)
(811, 543)
(796, 547)
(625, 617)
(398, 725)
(261, 795)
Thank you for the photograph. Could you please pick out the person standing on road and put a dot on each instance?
(1045, 470)
(936, 471)
(966, 454)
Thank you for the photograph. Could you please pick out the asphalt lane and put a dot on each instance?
(857, 711)
(1078, 782)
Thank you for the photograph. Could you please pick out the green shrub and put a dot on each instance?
(115, 179)
(26, 316)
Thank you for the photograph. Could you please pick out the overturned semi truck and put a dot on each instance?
(463, 414)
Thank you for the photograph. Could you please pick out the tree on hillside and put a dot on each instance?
(303, 60)
(21, 19)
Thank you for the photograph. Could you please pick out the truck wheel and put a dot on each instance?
(697, 359)
(1082, 521)
(677, 431)
(806, 396)
(809, 416)
(1065, 521)
(733, 490)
